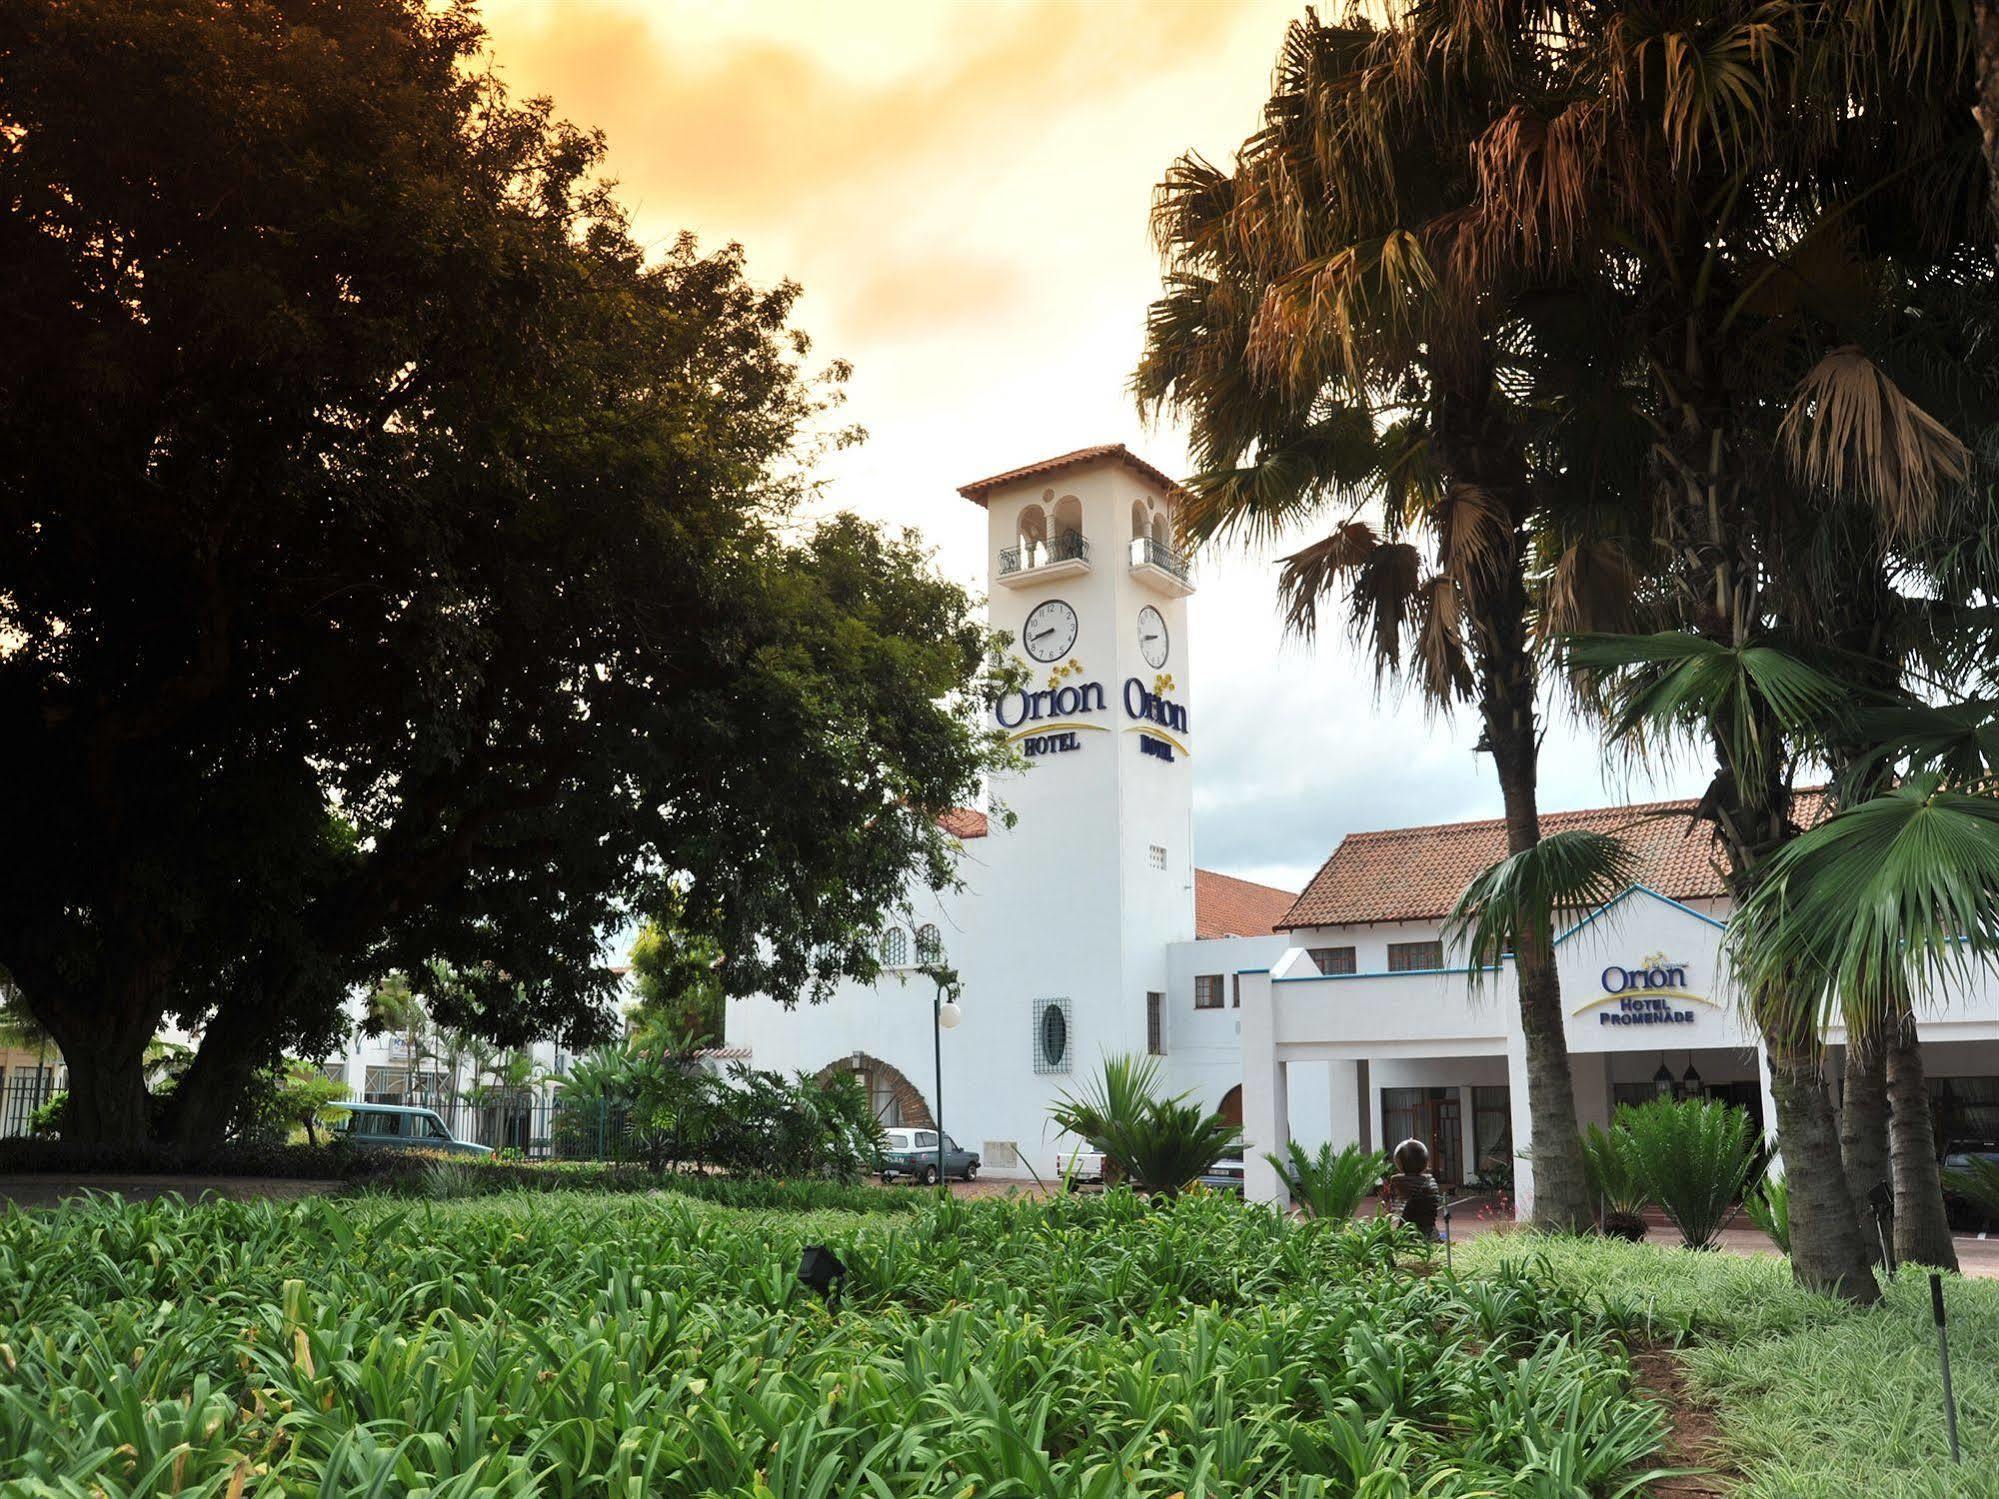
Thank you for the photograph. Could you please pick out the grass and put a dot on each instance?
(558, 1344)
(1811, 1397)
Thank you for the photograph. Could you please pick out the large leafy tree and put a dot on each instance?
(1348, 354)
(398, 565)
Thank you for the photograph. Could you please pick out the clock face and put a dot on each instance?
(1153, 643)
(1050, 633)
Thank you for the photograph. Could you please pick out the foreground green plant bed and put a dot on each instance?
(569, 1345)
(1811, 1397)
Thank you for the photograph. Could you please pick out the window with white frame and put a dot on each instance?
(1157, 856)
(1207, 991)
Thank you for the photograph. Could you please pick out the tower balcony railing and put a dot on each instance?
(1159, 566)
(1061, 556)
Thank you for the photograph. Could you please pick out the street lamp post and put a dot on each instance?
(944, 1016)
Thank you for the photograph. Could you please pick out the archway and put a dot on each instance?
(1230, 1108)
(896, 1099)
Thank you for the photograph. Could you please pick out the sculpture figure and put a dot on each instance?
(1417, 1188)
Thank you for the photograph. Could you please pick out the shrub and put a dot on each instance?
(1098, 1346)
(1330, 1184)
(1694, 1158)
(1769, 1208)
(1158, 1144)
(1617, 1180)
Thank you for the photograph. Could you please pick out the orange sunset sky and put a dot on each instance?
(962, 190)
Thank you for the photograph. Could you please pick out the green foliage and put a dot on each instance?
(677, 981)
(292, 1098)
(1332, 1183)
(1694, 1158)
(1095, 1348)
(1616, 1176)
(1769, 1208)
(443, 545)
(1516, 899)
(1158, 1144)
(653, 1103)
(1808, 1397)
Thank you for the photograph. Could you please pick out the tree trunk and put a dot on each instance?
(1863, 1128)
(1922, 1232)
(238, 1039)
(1561, 1183)
(1985, 37)
(1826, 1252)
(107, 1103)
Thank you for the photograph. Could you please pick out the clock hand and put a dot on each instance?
(1042, 634)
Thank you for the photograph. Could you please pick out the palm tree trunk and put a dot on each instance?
(1863, 1127)
(1985, 37)
(1826, 1252)
(1561, 1184)
(1922, 1232)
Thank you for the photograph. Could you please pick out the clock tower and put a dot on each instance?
(1096, 878)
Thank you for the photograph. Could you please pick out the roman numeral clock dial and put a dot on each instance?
(1050, 631)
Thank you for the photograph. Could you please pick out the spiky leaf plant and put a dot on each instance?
(1331, 1183)
(1158, 1144)
(1617, 1180)
(1694, 1158)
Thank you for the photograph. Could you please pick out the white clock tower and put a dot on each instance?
(1097, 875)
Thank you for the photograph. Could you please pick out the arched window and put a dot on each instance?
(1161, 532)
(1138, 526)
(929, 944)
(1068, 517)
(895, 948)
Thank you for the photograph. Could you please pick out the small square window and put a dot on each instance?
(1332, 960)
(1157, 856)
(1415, 957)
(1207, 991)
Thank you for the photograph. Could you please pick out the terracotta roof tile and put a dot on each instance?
(1225, 906)
(1417, 874)
(963, 822)
(978, 489)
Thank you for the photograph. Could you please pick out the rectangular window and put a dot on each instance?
(1157, 856)
(1414, 957)
(1235, 991)
(1207, 991)
(1332, 959)
(1155, 1023)
(1492, 1134)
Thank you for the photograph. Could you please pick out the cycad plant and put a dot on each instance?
(1159, 1145)
(1617, 1180)
(1693, 1156)
(1329, 1184)
(1769, 1208)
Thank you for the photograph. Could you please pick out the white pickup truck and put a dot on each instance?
(1079, 1165)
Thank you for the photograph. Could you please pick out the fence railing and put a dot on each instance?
(1145, 550)
(1069, 546)
(24, 1091)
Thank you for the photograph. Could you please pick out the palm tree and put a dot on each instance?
(1337, 341)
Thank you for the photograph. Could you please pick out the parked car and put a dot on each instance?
(395, 1126)
(1079, 1166)
(913, 1153)
(1224, 1176)
(1960, 1210)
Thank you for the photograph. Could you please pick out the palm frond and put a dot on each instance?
(1881, 902)
(1518, 897)
(1851, 430)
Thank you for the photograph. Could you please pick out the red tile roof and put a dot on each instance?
(979, 489)
(1417, 874)
(1225, 906)
(963, 822)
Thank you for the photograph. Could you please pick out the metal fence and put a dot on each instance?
(22, 1092)
(541, 1125)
